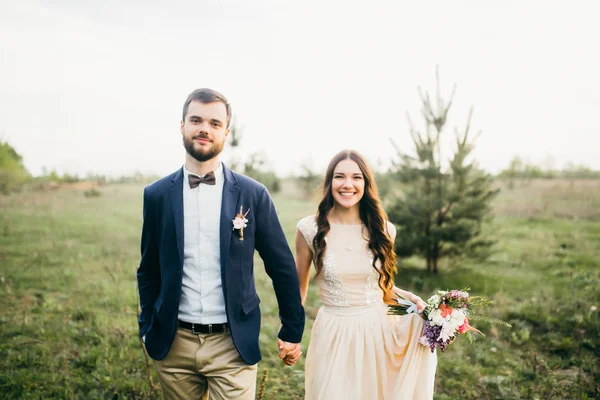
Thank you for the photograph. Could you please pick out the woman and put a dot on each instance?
(357, 351)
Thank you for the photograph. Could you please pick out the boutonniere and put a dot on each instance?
(239, 222)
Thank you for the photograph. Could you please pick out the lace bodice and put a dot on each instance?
(348, 278)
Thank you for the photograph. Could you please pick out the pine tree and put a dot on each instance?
(443, 208)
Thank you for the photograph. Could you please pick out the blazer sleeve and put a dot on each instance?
(279, 263)
(148, 272)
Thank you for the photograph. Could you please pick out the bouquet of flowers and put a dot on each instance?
(447, 316)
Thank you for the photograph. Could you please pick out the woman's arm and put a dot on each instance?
(404, 293)
(304, 258)
(409, 295)
(412, 297)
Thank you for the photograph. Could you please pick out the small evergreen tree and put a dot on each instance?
(442, 211)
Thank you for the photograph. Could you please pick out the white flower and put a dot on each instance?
(434, 301)
(423, 340)
(239, 223)
(458, 316)
(593, 308)
(447, 333)
(453, 324)
(436, 317)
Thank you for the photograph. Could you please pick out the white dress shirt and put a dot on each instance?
(202, 299)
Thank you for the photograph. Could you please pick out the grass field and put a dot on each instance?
(68, 298)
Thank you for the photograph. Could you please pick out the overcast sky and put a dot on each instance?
(99, 85)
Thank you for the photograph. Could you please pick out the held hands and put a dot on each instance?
(289, 353)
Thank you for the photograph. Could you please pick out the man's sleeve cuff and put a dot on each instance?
(290, 335)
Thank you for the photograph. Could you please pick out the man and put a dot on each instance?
(200, 318)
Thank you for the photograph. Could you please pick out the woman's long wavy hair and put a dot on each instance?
(372, 216)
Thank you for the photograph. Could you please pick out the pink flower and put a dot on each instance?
(464, 327)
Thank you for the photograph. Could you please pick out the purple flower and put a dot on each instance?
(431, 334)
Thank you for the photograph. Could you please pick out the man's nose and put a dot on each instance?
(204, 126)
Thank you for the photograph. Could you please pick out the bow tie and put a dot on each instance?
(208, 179)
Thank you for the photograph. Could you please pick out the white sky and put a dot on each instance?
(99, 85)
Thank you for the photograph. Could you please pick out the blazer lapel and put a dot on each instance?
(176, 197)
(228, 211)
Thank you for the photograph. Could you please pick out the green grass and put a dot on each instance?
(68, 299)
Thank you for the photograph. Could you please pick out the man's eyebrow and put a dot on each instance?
(212, 119)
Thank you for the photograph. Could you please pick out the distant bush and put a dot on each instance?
(137, 177)
(12, 172)
(309, 180)
(267, 178)
(255, 168)
(52, 176)
(520, 169)
(254, 164)
(93, 192)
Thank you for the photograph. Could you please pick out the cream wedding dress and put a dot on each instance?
(357, 351)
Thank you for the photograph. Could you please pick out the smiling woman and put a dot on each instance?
(357, 351)
(348, 184)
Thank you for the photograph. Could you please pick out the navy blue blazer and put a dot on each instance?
(160, 271)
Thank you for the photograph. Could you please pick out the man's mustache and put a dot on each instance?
(205, 137)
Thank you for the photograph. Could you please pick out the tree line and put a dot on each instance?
(439, 207)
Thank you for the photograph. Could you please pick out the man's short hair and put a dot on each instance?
(205, 95)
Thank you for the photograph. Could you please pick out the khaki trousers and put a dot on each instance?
(205, 366)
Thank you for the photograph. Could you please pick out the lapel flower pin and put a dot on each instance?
(239, 222)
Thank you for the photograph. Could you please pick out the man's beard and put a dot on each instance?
(203, 155)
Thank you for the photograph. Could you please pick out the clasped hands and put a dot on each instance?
(289, 353)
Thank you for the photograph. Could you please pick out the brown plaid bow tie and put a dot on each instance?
(208, 179)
